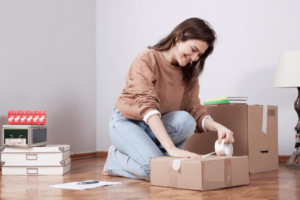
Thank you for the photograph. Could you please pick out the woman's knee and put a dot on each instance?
(180, 123)
(186, 121)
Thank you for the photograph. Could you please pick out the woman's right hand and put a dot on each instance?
(179, 153)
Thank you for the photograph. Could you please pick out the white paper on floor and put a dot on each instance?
(74, 186)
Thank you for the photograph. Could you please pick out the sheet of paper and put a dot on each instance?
(74, 186)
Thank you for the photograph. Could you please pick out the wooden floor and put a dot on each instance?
(282, 184)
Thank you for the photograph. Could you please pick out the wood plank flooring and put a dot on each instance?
(282, 184)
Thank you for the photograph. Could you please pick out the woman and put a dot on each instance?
(159, 108)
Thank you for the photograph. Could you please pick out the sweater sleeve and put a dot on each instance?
(140, 81)
(195, 108)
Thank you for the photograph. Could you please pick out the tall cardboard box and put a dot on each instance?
(255, 131)
(213, 172)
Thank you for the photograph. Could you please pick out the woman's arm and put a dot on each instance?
(161, 134)
(223, 132)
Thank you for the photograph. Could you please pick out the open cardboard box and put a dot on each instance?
(213, 172)
(255, 129)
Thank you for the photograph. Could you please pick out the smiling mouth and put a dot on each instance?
(186, 60)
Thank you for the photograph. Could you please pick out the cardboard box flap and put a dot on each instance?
(216, 174)
(226, 172)
(163, 174)
(240, 170)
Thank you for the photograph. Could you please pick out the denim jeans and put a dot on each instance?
(134, 143)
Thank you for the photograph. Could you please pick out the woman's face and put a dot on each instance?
(189, 51)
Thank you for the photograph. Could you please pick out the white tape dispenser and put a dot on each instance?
(221, 149)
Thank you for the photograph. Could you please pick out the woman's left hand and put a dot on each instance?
(224, 132)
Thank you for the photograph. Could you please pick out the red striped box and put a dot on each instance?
(26, 117)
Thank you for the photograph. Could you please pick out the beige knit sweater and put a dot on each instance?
(154, 84)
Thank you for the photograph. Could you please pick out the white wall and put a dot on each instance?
(250, 36)
(48, 61)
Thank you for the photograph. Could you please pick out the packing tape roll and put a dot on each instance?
(264, 118)
(223, 149)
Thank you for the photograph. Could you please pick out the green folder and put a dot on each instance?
(216, 102)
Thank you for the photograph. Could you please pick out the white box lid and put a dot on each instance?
(49, 148)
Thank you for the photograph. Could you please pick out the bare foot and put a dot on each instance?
(104, 172)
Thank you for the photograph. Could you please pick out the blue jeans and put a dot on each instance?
(134, 143)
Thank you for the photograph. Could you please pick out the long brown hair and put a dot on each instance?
(193, 28)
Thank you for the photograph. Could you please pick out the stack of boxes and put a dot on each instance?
(25, 150)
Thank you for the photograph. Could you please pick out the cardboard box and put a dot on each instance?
(255, 131)
(213, 172)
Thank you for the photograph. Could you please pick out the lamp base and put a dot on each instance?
(294, 160)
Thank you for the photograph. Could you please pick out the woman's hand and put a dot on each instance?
(179, 153)
(224, 132)
(160, 132)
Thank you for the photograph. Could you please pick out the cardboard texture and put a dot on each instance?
(255, 131)
(213, 172)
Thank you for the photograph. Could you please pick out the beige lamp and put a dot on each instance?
(287, 76)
